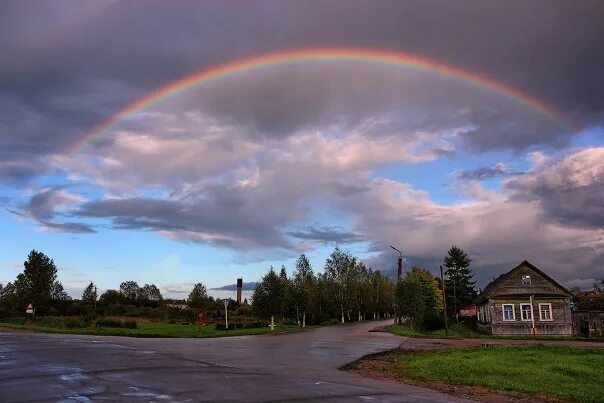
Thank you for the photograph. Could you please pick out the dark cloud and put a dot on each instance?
(66, 66)
(44, 206)
(327, 234)
(484, 173)
(571, 190)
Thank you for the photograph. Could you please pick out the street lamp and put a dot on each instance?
(398, 277)
(400, 263)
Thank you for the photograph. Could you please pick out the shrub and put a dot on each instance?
(241, 325)
(109, 323)
(130, 324)
(433, 321)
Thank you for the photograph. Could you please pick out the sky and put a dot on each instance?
(493, 142)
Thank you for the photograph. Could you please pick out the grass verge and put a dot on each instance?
(556, 373)
(156, 330)
(456, 331)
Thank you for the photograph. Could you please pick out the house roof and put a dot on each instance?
(488, 290)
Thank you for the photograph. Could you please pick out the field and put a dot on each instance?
(151, 329)
(558, 372)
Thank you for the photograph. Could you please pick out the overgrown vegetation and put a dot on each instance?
(567, 373)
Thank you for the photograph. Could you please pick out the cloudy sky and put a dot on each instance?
(232, 175)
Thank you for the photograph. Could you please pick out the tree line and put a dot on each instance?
(346, 290)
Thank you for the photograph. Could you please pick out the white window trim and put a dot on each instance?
(513, 312)
(551, 313)
(521, 313)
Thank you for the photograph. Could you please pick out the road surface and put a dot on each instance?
(297, 366)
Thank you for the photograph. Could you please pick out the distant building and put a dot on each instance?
(525, 300)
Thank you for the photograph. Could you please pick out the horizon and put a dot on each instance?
(193, 147)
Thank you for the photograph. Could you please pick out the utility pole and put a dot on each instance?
(399, 271)
(95, 295)
(442, 281)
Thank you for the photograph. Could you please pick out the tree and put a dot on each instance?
(198, 296)
(599, 286)
(303, 284)
(37, 282)
(90, 294)
(268, 296)
(410, 301)
(149, 295)
(337, 268)
(459, 279)
(433, 295)
(110, 297)
(130, 291)
(58, 292)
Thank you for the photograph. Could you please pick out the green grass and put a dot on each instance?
(568, 373)
(156, 330)
(456, 331)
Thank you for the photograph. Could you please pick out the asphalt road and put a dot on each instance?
(288, 367)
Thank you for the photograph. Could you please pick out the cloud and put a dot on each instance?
(46, 204)
(570, 190)
(327, 234)
(484, 173)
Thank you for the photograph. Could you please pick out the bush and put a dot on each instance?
(130, 324)
(115, 309)
(109, 323)
(433, 321)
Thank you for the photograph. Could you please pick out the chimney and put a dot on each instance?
(239, 289)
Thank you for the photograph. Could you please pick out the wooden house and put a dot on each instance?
(526, 301)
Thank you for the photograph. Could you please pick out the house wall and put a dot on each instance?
(561, 323)
(588, 323)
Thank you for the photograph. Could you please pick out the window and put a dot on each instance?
(545, 311)
(527, 311)
(508, 312)
(526, 280)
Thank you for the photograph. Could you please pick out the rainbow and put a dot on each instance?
(382, 57)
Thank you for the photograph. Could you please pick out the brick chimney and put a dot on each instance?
(239, 289)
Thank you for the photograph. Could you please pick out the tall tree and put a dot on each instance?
(304, 282)
(130, 291)
(410, 301)
(198, 296)
(268, 296)
(149, 295)
(89, 295)
(459, 279)
(433, 296)
(599, 286)
(37, 282)
(337, 268)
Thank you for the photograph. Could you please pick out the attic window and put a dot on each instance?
(526, 280)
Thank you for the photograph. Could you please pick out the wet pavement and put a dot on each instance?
(285, 367)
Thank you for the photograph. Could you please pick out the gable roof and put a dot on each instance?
(495, 283)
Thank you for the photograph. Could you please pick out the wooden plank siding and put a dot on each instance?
(510, 289)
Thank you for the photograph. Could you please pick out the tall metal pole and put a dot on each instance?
(442, 281)
(399, 272)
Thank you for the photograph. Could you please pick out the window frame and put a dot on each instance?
(551, 312)
(513, 313)
(526, 277)
(522, 312)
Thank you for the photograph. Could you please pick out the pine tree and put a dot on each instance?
(89, 295)
(198, 296)
(460, 284)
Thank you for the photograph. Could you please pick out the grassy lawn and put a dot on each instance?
(156, 330)
(456, 331)
(567, 373)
